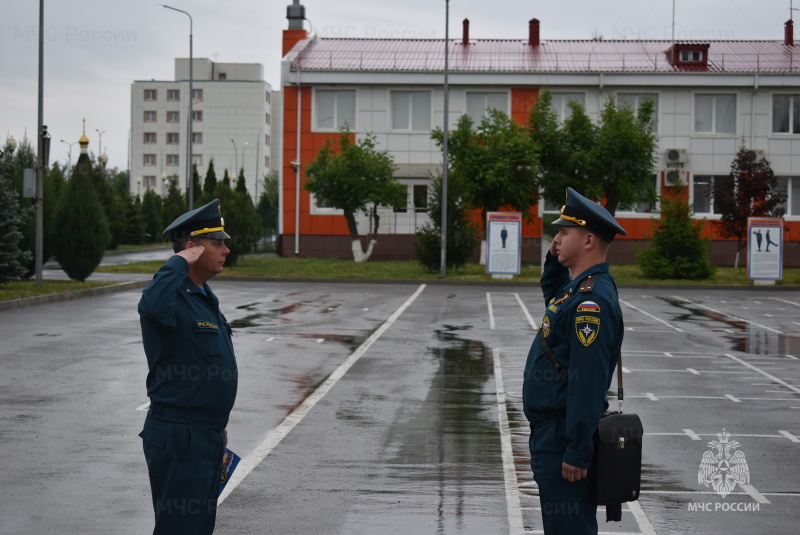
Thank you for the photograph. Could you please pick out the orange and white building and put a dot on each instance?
(711, 97)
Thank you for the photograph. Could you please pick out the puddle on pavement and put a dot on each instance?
(744, 337)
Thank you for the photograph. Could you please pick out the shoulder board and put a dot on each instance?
(587, 284)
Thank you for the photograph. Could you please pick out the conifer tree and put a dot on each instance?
(13, 260)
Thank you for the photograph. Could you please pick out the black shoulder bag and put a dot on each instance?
(616, 472)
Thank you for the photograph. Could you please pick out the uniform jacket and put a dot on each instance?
(188, 344)
(584, 330)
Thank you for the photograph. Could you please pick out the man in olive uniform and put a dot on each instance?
(192, 377)
(571, 363)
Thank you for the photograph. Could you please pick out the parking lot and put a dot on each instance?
(395, 408)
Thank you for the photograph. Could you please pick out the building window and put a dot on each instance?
(197, 116)
(269, 98)
(786, 114)
(420, 197)
(715, 114)
(704, 190)
(149, 159)
(173, 116)
(173, 95)
(197, 137)
(149, 181)
(411, 110)
(172, 159)
(197, 94)
(197, 159)
(150, 116)
(561, 104)
(335, 109)
(267, 162)
(791, 185)
(691, 56)
(222, 76)
(634, 100)
(642, 207)
(149, 138)
(267, 140)
(479, 104)
(151, 94)
(268, 118)
(173, 138)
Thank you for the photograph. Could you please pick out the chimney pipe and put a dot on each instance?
(533, 32)
(465, 37)
(788, 38)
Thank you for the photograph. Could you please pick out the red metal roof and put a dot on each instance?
(490, 55)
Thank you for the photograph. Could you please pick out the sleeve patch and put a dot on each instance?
(589, 306)
(587, 328)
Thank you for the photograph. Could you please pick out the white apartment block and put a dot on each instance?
(232, 124)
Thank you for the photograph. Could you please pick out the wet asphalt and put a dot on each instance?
(378, 409)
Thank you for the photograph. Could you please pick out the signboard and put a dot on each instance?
(503, 240)
(765, 248)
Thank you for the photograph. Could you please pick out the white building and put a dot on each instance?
(232, 124)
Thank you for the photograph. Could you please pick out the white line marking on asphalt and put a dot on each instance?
(667, 354)
(790, 357)
(693, 371)
(625, 370)
(270, 339)
(737, 318)
(785, 301)
(651, 316)
(638, 514)
(790, 436)
(319, 340)
(143, 406)
(249, 463)
(757, 496)
(765, 374)
(735, 400)
(491, 312)
(691, 434)
(652, 396)
(527, 314)
(768, 315)
(515, 523)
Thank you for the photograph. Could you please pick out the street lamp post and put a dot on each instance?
(100, 146)
(236, 157)
(446, 127)
(69, 152)
(164, 179)
(189, 181)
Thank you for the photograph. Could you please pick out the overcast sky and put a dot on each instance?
(95, 49)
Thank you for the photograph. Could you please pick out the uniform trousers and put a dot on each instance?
(567, 508)
(184, 462)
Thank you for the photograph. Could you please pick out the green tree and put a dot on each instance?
(197, 187)
(174, 205)
(358, 178)
(614, 159)
(268, 203)
(241, 222)
(496, 164)
(81, 231)
(13, 259)
(676, 249)
(750, 190)
(211, 182)
(462, 236)
(241, 183)
(151, 216)
(134, 223)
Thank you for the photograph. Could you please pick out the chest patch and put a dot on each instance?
(208, 326)
(546, 326)
(589, 306)
(587, 328)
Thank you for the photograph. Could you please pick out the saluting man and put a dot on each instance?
(571, 363)
(192, 377)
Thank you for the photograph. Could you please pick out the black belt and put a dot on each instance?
(202, 418)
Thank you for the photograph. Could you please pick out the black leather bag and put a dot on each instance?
(616, 472)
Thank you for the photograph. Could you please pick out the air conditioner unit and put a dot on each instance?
(674, 177)
(755, 155)
(676, 156)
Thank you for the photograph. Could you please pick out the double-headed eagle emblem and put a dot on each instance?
(721, 468)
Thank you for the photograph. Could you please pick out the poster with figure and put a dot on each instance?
(503, 240)
(765, 248)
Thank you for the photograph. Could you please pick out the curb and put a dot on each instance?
(132, 285)
(69, 296)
